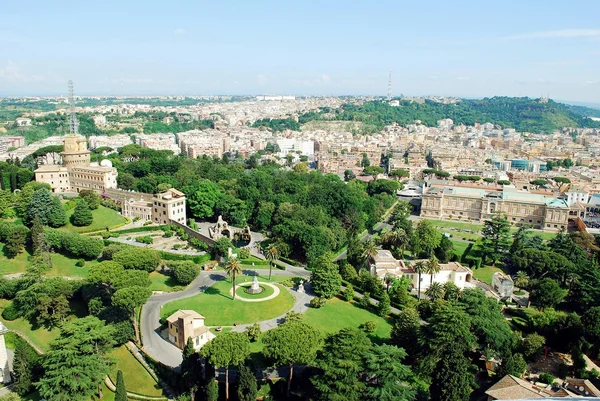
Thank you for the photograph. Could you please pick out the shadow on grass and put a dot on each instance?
(216, 291)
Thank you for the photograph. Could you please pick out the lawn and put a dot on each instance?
(459, 247)
(217, 306)
(267, 291)
(137, 379)
(103, 217)
(455, 227)
(485, 273)
(163, 282)
(337, 314)
(61, 265)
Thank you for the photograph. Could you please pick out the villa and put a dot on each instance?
(184, 324)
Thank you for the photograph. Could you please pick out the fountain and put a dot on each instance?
(255, 288)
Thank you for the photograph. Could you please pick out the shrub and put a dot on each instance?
(198, 244)
(185, 272)
(253, 332)
(168, 234)
(348, 293)
(80, 263)
(368, 326)
(11, 313)
(177, 246)
(317, 302)
(365, 301)
(244, 253)
(546, 378)
(147, 223)
(82, 215)
(73, 243)
(109, 251)
(473, 261)
(146, 239)
(138, 258)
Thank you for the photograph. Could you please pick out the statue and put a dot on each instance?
(254, 288)
(301, 287)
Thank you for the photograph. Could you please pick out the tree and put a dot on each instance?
(202, 198)
(91, 198)
(365, 162)
(373, 171)
(38, 243)
(271, 254)
(444, 251)
(425, 239)
(247, 388)
(233, 269)
(383, 307)
(76, 364)
(533, 345)
(561, 181)
(325, 277)
(120, 391)
(291, 343)
(138, 258)
(521, 279)
(435, 291)
(432, 267)
(341, 361)
(420, 267)
(39, 206)
(58, 216)
(27, 367)
(186, 272)
(15, 242)
(452, 379)
(591, 326)
(349, 175)
(221, 247)
(545, 293)
(399, 173)
(405, 331)
(496, 237)
(514, 364)
(229, 349)
(538, 182)
(130, 298)
(369, 251)
(191, 369)
(388, 379)
(82, 215)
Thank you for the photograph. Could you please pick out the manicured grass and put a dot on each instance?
(103, 217)
(61, 265)
(137, 379)
(163, 282)
(459, 247)
(267, 291)
(445, 225)
(337, 314)
(485, 273)
(217, 306)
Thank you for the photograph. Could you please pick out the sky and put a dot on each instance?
(433, 47)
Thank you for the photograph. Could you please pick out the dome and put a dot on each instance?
(106, 163)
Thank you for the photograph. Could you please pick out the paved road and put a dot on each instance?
(162, 350)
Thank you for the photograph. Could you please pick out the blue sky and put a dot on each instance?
(438, 47)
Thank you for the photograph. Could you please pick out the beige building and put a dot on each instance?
(77, 173)
(184, 324)
(469, 204)
(169, 206)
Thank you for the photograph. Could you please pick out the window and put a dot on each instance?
(197, 341)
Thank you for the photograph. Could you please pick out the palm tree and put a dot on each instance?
(432, 267)
(435, 291)
(402, 240)
(388, 279)
(370, 250)
(521, 279)
(233, 269)
(271, 254)
(420, 268)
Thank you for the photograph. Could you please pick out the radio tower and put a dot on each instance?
(389, 96)
(73, 123)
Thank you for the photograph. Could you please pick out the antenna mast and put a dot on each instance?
(389, 95)
(73, 123)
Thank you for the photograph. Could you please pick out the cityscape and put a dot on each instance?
(272, 202)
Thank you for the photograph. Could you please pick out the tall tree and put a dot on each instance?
(226, 350)
(272, 254)
(452, 379)
(27, 367)
(369, 251)
(39, 206)
(419, 267)
(82, 215)
(37, 236)
(432, 267)
(435, 291)
(120, 391)
(496, 237)
(291, 343)
(425, 239)
(58, 216)
(341, 362)
(191, 369)
(76, 363)
(233, 269)
(325, 277)
(405, 331)
(246, 384)
(387, 378)
(131, 298)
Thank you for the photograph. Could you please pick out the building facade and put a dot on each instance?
(185, 324)
(470, 204)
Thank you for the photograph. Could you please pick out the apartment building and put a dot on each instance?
(539, 211)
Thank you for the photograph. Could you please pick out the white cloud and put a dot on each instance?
(262, 79)
(11, 72)
(560, 33)
(464, 78)
(325, 79)
(179, 31)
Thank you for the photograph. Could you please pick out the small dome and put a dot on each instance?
(106, 163)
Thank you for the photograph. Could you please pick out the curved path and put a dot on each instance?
(161, 349)
(275, 293)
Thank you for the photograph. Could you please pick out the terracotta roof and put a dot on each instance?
(513, 388)
(182, 313)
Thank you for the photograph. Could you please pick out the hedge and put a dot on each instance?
(473, 261)
(77, 245)
(143, 229)
(173, 256)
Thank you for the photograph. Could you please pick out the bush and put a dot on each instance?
(546, 378)
(109, 251)
(82, 215)
(473, 261)
(348, 293)
(253, 332)
(365, 301)
(11, 312)
(185, 272)
(244, 253)
(73, 243)
(80, 263)
(146, 239)
(168, 234)
(368, 326)
(317, 302)
(198, 244)
(138, 258)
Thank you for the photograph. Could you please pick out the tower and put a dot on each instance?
(75, 151)
(389, 95)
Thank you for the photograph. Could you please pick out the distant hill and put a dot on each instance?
(584, 110)
(523, 114)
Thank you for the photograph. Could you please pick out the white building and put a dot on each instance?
(384, 263)
(452, 272)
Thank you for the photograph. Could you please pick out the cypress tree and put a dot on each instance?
(246, 384)
(120, 392)
(37, 236)
(58, 216)
(82, 215)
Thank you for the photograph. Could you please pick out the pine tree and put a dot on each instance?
(120, 392)
(191, 369)
(383, 307)
(37, 236)
(246, 384)
(82, 215)
(58, 216)
(40, 205)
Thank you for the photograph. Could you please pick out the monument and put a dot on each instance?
(254, 288)
(301, 287)
(4, 367)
